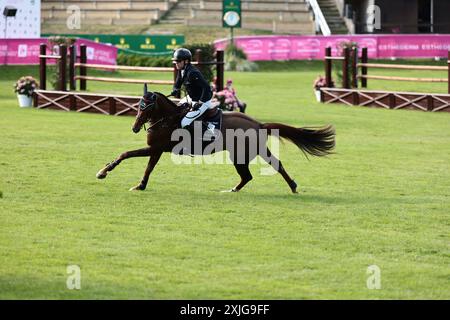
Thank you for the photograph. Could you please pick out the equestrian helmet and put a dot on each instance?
(182, 54)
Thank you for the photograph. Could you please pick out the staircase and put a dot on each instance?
(332, 16)
(278, 16)
(180, 12)
(104, 12)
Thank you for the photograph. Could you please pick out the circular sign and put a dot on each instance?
(231, 18)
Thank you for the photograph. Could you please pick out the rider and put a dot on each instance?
(198, 90)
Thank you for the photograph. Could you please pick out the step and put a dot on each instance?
(126, 22)
(182, 5)
(105, 5)
(179, 21)
(272, 15)
(275, 26)
(63, 21)
(259, 5)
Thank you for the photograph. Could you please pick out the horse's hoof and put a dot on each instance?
(101, 174)
(293, 186)
(231, 190)
(137, 188)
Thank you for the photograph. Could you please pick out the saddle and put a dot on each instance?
(211, 122)
(211, 126)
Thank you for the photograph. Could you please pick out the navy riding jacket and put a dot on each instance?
(194, 82)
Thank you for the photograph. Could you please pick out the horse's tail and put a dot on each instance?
(315, 141)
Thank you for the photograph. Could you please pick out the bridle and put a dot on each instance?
(143, 106)
(152, 125)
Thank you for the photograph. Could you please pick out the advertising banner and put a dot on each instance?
(26, 51)
(313, 47)
(139, 44)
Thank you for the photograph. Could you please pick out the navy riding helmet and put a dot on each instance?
(182, 54)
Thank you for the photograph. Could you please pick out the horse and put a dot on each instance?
(164, 118)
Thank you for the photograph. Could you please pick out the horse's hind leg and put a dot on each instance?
(276, 164)
(144, 152)
(244, 173)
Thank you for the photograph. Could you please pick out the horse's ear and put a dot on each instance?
(145, 89)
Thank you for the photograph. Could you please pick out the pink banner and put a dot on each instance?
(293, 47)
(26, 51)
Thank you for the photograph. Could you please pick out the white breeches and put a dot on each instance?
(191, 116)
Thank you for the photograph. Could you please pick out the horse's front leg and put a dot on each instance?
(154, 158)
(144, 152)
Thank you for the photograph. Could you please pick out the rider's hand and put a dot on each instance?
(196, 106)
(174, 93)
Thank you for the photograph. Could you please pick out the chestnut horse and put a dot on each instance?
(164, 117)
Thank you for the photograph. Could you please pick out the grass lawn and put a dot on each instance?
(383, 199)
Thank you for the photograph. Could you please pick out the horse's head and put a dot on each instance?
(146, 107)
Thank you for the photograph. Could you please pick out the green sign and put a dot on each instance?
(231, 13)
(139, 44)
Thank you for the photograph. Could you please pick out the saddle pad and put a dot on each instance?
(212, 126)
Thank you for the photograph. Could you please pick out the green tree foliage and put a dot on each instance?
(208, 53)
(236, 60)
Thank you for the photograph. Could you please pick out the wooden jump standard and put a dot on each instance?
(384, 99)
(98, 102)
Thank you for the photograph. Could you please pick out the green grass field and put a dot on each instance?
(383, 199)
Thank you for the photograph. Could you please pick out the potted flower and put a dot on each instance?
(25, 87)
(320, 82)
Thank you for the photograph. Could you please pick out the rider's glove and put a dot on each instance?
(174, 92)
(196, 106)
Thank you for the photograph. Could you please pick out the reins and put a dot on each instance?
(153, 124)
(163, 118)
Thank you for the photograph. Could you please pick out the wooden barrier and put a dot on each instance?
(365, 65)
(383, 99)
(61, 99)
(387, 99)
(86, 102)
(62, 62)
(84, 66)
(329, 67)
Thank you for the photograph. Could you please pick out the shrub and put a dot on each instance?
(143, 61)
(340, 51)
(208, 54)
(53, 43)
(233, 50)
(236, 60)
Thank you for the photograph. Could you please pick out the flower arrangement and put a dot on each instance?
(26, 85)
(321, 82)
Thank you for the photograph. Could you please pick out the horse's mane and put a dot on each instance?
(163, 96)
